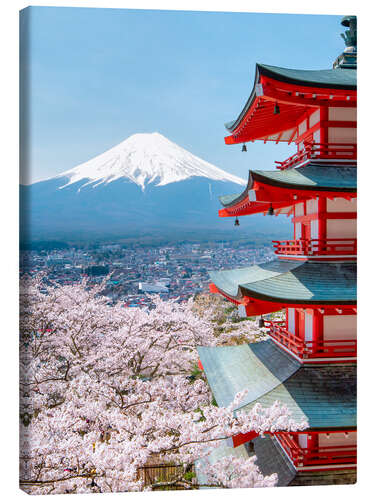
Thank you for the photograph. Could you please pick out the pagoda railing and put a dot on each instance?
(315, 246)
(306, 349)
(321, 151)
(317, 455)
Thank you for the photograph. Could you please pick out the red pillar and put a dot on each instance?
(324, 127)
(317, 329)
(322, 222)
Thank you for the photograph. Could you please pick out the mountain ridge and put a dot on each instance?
(145, 184)
(145, 159)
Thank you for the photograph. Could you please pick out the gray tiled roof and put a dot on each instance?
(312, 176)
(290, 281)
(229, 199)
(325, 396)
(227, 369)
(327, 78)
(270, 459)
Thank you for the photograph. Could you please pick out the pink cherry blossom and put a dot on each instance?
(106, 390)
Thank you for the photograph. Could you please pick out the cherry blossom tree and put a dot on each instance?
(106, 390)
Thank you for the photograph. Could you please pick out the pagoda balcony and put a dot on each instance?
(308, 349)
(328, 247)
(317, 456)
(320, 151)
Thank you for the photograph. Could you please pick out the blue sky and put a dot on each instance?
(100, 75)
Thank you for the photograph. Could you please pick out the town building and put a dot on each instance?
(309, 361)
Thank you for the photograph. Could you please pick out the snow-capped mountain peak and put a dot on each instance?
(145, 159)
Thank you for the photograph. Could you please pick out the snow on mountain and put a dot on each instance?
(145, 159)
(147, 187)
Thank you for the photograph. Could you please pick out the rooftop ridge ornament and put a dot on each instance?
(348, 59)
(350, 36)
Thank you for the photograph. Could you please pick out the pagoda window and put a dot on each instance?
(299, 209)
(314, 118)
(316, 136)
(341, 228)
(344, 226)
(314, 229)
(311, 206)
(291, 319)
(302, 440)
(309, 333)
(342, 114)
(337, 439)
(340, 327)
(341, 205)
(302, 127)
(342, 135)
(286, 135)
(297, 231)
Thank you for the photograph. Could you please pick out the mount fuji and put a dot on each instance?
(145, 159)
(146, 185)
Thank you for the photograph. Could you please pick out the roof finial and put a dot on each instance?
(350, 35)
(348, 59)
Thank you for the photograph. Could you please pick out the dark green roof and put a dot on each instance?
(291, 281)
(230, 199)
(337, 78)
(325, 396)
(314, 176)
(271, 458)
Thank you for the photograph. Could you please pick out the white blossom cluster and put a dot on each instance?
(107, 389)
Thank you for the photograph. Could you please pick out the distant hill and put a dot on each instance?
(146, 186)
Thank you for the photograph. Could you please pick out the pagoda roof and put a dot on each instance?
(217, 453)
(258, 367)
(294, 90)
(314, 176)
(291, 282)
(324, 78)
(270, 459)
(325, 396)
(339, 78)
(311, 177)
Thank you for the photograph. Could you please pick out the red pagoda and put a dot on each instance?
(309, 360)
